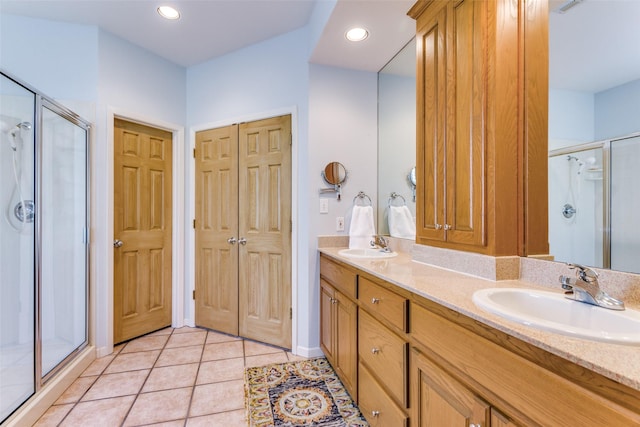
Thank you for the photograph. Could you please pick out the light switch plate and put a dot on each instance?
(340, 223)
(324, 206)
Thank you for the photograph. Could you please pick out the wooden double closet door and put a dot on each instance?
(243, 230)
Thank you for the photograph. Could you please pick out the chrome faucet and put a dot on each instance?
(585, 288)
(380, 242)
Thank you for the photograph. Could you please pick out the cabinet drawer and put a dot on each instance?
(376, 406)
(342, 279)
(385, 354)
(384, 303)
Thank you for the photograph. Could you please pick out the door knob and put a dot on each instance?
(232, 240)
(242, 241)
(117, 243)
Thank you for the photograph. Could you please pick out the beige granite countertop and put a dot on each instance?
(454, 290)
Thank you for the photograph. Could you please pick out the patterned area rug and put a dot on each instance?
(304, 393)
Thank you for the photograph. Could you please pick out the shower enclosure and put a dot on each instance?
(43, 240)
(593, 203)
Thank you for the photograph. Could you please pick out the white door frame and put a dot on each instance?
(103, 271)
(190, 237)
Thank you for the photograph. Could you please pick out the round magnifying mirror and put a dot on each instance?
(334, 173)
(412, 176)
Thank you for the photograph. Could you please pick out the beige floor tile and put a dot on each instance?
(53, 416)
(76, 390)
(252, 348)
(216, 337)
(188, 330)
(133, 361)
(225, 350)
(224, 419)
(176, 423)
(145, 344)
(265, 359)
(221, 370)
(159, 406)
(169, 377)
(114, 385)
(218, 397)
(117, 349)
(186, 339)
(180, 355)
(98, 366)
(165, 331)
(99, 413)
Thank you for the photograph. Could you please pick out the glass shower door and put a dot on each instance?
(63, 275)
(625, 204)
(17, 246)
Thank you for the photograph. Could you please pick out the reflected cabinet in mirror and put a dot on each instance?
(594, 134)
(397, 143)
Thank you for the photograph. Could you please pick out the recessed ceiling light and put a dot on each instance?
(168, 12)
(357, 34)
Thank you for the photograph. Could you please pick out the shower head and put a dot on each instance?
(24, 126)
(15, 133)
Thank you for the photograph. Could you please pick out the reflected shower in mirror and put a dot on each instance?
(594, 93)
(396, 132)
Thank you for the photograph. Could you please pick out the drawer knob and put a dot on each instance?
(375, 350)
(334, 301)
(375, 413)
(375, 300)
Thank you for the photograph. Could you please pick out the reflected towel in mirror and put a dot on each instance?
(361, 229)
(401, 223)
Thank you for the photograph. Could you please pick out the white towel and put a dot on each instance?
(361, 229)
(401, 223)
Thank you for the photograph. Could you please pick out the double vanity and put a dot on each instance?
(419, 345)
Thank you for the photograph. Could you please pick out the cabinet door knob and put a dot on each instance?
(334, 301)
(438, 226)
(232, 240)
(242, 241)
(375, 350)
(448, 227)
(375, 300)
(375, 413)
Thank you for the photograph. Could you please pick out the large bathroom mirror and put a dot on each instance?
(396, 136)
(594, 133)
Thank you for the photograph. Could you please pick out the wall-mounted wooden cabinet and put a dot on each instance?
(481, 125)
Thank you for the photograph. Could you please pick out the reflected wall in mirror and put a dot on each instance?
(396, 133)
(594, 94)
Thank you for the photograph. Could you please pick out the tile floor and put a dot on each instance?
(173, 377)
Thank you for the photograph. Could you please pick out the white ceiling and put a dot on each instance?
(595, 45)
(210, 28)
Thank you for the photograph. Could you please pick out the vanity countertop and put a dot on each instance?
(454, 290)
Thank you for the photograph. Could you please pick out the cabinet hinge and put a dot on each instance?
(193, 295)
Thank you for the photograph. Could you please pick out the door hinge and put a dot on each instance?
(194, 153)
(290, 139)
(194, 224)
(290, 225)
(193, 294)
(290, 313)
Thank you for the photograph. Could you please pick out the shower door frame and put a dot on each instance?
(41, 103)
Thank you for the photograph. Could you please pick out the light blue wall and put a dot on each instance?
(59, 60)
(571, 117)
(617, 111)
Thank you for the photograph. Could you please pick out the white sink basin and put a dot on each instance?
(366, 253)
(553, 312)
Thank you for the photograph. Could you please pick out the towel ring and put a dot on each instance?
(362, 196)
(395, 196)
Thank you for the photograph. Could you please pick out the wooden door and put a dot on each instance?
(217, 229)
(439, 400)
(265, 230)
(142, 222)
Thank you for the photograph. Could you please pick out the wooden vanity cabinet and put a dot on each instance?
(481, 125)
(339, 322)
